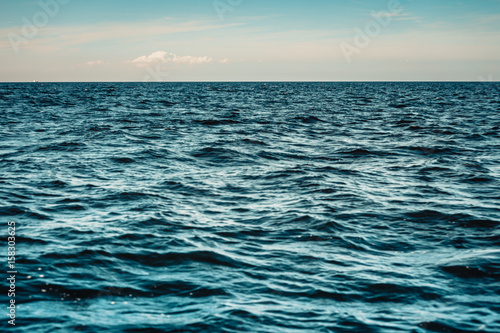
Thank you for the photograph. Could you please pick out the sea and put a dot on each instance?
(250, 207)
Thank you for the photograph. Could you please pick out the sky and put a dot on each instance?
(249, 40)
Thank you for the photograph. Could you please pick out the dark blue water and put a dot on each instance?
(252, 207)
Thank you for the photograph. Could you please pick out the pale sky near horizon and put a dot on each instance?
(249, 40)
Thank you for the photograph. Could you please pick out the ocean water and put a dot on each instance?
(252, 207)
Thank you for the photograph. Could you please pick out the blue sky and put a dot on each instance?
(249, 40)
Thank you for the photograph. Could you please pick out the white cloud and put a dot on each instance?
(167, 57)
(224, 61)
(94, 63)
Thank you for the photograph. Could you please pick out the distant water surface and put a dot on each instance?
(253, 207)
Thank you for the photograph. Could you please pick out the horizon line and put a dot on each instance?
(256, 81)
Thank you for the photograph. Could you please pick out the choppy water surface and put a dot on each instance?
(254, 207)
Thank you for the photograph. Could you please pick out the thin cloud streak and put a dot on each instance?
(167, 57)
(94, 63)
